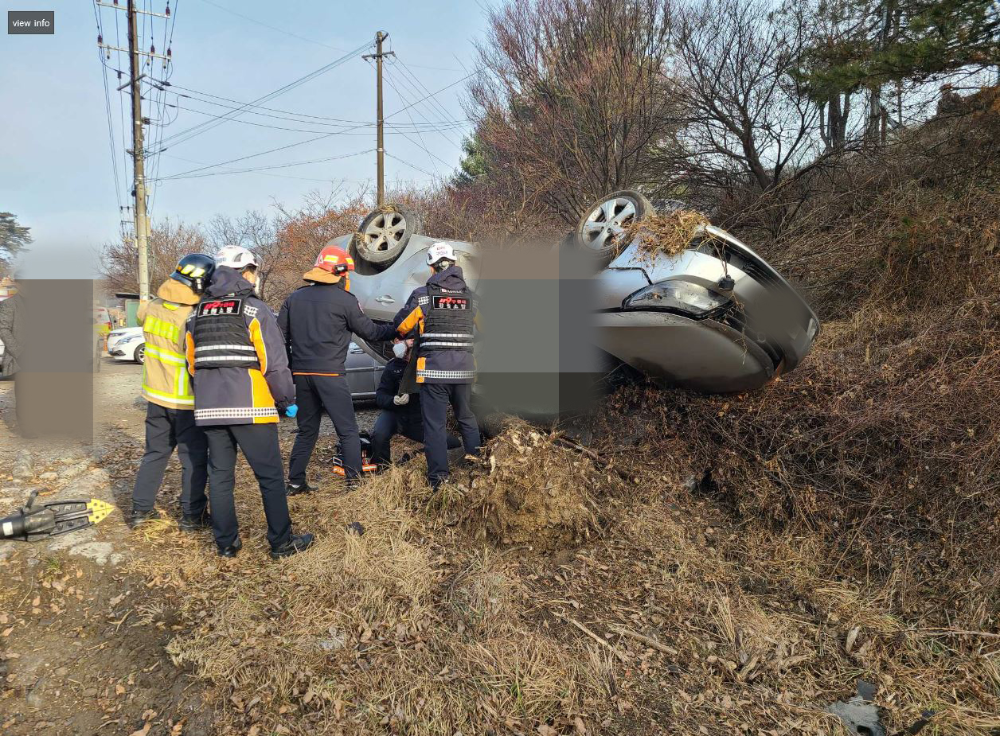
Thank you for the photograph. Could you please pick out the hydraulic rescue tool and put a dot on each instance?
(38, 520)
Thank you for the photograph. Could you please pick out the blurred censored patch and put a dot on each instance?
(536, 355)
(57, 354)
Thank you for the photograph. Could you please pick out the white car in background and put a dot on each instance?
(127, 344)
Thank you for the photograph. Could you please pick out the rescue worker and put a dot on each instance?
(166, 386)
(236, 354)
(400, 411)
(317, 321)
(444, 312)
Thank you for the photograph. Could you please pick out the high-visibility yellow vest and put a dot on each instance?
(165, 379)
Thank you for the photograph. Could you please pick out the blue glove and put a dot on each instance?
(292, 410)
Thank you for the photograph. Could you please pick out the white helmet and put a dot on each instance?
(235, 256)
(440, 252)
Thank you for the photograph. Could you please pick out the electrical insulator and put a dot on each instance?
(168, 52)
(168, 10)
(152, 48)
(100, 39)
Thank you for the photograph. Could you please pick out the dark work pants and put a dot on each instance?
(259, 443)
(434, 400)
(165, 430)
(314, 395)
(388, 425)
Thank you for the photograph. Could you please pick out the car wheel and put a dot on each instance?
(140, 354)
(603, 224)
(384, 233)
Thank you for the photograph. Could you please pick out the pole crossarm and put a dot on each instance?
(140, 12)
(109, 47)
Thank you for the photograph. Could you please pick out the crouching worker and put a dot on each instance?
(400, 411)
(166, 387)
(236, 354)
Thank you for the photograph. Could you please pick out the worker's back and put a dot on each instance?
(317, 321)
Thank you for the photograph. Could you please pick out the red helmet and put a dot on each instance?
(335, 260)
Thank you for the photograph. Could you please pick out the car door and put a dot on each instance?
(360, 373)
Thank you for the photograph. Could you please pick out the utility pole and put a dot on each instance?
(380, 146)
(141, 217)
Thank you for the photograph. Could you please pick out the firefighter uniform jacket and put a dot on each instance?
(317, 322)
(444, 312)
(165, 379)
(236, 354)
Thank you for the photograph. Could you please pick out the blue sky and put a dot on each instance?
(56, 170)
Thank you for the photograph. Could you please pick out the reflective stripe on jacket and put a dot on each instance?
(448, 359)
(230, 393)
(165, 380)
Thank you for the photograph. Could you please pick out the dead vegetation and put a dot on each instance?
(668, 233)
(670, 618)
(718, 565)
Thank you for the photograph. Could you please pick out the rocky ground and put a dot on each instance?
(82, 641)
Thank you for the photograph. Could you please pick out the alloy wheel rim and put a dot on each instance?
(385, 231)
(607, 221)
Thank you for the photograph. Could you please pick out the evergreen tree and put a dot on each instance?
(899, 40)
(13, 237)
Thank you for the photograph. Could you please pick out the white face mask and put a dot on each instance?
(399, 350)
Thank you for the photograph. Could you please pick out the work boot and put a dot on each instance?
(294, 489)
(137, 518)
(295, 544)
(231, 550)
(195, 522)
(351, 484)
(438, 482)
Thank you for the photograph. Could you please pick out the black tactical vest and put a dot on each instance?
(221, 337)
(449, 320)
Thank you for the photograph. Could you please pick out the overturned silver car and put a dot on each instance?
(714, 318)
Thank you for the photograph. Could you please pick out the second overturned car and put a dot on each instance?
(711, 316)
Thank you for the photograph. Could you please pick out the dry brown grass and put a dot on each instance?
(423, 627)
(844, 526)
(669, 233)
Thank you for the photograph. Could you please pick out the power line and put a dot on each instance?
(357, 124)
(280, 114)
(273, 28)
(267, 168)
(260, 173)
(253, 155)
(405, 99)
(435, 94)
(107, 108)
(178, 106)
(191, 132)
(412, 166)
(433, 103)
(422, 143)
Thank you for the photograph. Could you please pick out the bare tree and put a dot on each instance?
(574, 98)
(749, 120)
(255, 231)
(169, 240)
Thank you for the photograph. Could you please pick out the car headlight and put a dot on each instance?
(675, 296)
(132, 338)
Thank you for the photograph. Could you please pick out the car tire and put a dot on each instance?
(140, 354)
(384, 233)
(597, 231)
